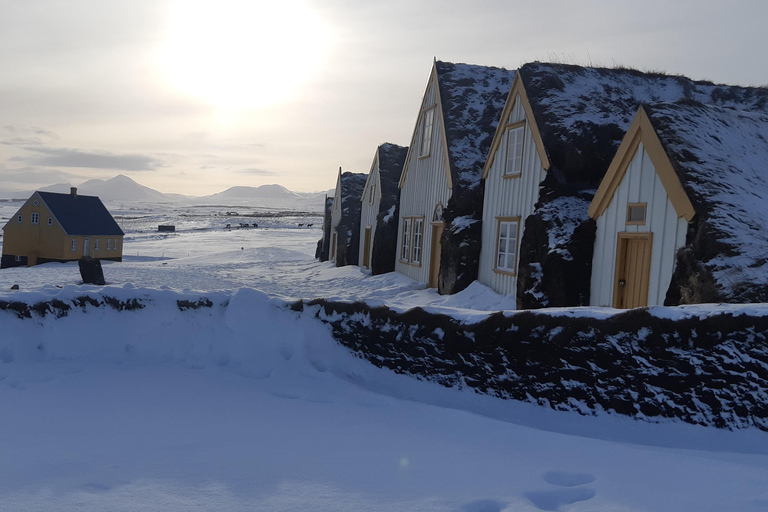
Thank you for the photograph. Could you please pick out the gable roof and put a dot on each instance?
(470, 99)
(583, 113)
(81, 215)
(721, 157)
(390, 158)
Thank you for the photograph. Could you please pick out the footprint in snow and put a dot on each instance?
(572, 492)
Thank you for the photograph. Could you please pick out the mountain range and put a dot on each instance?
(121, 188)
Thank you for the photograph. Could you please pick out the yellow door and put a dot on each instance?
(633, 270)
(367, 248)
(434, 258)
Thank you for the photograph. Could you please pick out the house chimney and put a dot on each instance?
(73, 191)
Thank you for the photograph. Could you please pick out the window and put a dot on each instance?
(109, 246)
(506, 245)
(428, 120)
(405, 244)
(17, 258)
(96, 245)
(74, 245)
(114, 245)
(372, 194)
(50, 221)
(513, 166)
(418, 236)
(35, 218)
(636, 213)
(21, 218)
(35, 202)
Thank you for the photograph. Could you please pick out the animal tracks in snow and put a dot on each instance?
(571, 490)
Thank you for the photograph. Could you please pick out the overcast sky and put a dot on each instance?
(195, 96)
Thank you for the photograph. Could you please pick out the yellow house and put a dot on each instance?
(61, 227)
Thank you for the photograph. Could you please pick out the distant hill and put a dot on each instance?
(262, 192)
(121, 188)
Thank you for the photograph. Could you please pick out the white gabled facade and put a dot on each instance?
(515, 167)
(371, 200)
(425, 187)
(642, 216)
(335, 219)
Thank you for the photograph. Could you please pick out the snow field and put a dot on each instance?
(247, 405)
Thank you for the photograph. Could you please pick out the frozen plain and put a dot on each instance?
(249, 406)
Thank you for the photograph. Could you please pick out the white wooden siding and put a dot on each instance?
(510, 197)
(370, 211)
(335, 219)
(425, 186)
(641, 184)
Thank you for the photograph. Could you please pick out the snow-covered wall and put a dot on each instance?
(702, 366)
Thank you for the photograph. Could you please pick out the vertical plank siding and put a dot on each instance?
(335, 219)
(641, 184)
(425, 185)
(369, 211)
(510, 197)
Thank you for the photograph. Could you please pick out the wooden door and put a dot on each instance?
(633, 270)
(434, 257)
(367, 248)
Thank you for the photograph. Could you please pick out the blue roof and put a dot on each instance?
(81, 215)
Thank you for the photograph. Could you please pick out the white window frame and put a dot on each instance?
(73, 247)
(513, 158)
(109, 244)
(96, 245)
(50, 221)
(372, 193)
(427, 128)
(505, 257)
(21, 219)
(417, 242)
(35, 218)
(405, 241)
(115, 245)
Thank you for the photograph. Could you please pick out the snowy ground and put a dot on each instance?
(249, 406)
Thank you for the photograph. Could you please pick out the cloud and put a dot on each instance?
(27, 135)
(31, 175)
(256, 172)
(65, 157)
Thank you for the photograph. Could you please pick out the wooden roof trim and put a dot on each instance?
(374, 167)
(641, 130)
(517, 90)
(438, 122)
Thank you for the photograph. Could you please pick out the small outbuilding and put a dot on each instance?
(682, 213)
(61, 227)
(345, 219)
(380, 210)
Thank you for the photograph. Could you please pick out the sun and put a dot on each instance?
(237, 54)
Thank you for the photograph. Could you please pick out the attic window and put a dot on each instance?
(636, 213)
(35, 202)
(428, 120)
(35, 218)
(513, 167)
(372, 194)
(21, 218)
(50, 221)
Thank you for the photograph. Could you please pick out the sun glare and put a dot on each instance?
(242, 54)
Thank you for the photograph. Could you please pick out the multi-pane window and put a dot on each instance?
(514, 163)
(35, 218)
(405, 242)
(115, 244)
(96, 245)
(74, 245)
(50, 221)
(428, 120)
(372, 193)
(418, 237)
(21, 218)
(109, 244)
(506, 245)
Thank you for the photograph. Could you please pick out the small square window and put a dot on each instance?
(18, 258)
(636, 213)
(35, 203)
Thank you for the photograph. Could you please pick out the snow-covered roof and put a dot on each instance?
(391, 160)
(583, 113)
(721, 158)
(472, 98)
